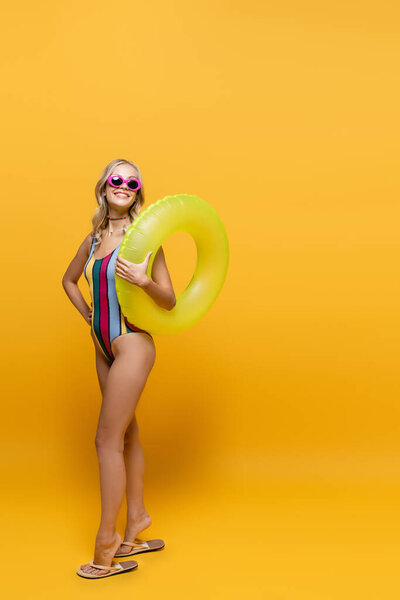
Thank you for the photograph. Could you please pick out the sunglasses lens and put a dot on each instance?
(116, 181)
(132, 184)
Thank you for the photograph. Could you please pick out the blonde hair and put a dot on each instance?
(99, 220)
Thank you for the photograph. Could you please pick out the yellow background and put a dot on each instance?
(271, 427)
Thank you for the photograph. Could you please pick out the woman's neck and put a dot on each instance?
(117, 223)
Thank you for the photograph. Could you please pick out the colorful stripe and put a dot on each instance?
(108, 322)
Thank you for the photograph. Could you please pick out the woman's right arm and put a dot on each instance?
(71, 278)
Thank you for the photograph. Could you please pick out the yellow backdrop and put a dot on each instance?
(271, 427)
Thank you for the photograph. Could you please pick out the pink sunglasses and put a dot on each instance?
(117, 181)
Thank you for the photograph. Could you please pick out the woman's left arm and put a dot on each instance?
(158, 286)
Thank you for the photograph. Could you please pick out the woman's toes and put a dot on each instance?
(124, 548)
(92, 570)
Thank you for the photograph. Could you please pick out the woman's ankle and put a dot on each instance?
(106, 537)
(137, 523)
(137, 516)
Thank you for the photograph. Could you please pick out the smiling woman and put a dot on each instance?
(125, 355)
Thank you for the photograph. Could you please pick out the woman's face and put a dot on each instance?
(121, 197)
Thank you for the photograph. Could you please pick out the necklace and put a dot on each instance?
(124, 228)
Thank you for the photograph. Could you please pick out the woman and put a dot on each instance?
(125, 355)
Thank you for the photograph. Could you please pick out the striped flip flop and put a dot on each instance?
(139, 546)
(114, 569)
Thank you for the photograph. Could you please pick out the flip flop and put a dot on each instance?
(114, 569)
(139, 546)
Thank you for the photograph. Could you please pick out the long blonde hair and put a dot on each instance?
(99, 220)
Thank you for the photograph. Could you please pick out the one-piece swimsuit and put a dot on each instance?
(108, 322)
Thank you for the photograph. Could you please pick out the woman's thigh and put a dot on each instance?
(134, 358)
(137, 344)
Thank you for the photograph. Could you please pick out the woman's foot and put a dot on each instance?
(131, 531)
(104, 553)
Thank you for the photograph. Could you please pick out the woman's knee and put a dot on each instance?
(108, 440)
(132, 433)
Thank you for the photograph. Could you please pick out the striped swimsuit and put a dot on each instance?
(108, 322)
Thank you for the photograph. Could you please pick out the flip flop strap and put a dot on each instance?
(132, 544)
(117, 567)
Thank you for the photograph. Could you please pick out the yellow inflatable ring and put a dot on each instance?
(181, 212)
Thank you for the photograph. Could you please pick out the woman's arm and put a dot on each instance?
(159, 286)
(72, 275)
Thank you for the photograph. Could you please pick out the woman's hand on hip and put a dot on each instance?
(132, 272)
(88, 318)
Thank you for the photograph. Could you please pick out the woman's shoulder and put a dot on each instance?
(88, 241)
(91, 237)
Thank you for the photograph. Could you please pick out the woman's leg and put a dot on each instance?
(134, 359)
(137, 517)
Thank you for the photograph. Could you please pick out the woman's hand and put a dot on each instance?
(89, 316)
(132, 272)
